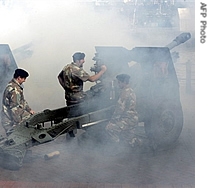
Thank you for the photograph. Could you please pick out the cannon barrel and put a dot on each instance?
(183, 37)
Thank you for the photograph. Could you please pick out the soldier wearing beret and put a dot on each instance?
(73, 76)
(14, 106)
(122, 125)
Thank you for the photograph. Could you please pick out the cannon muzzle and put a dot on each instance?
(183, 37)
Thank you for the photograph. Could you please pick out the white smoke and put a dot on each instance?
(57, 29)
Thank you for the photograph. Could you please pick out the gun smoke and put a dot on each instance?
(56, 30)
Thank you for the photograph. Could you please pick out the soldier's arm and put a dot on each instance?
(15, 107)
(27, 107)
(61, 80)
(95, 77)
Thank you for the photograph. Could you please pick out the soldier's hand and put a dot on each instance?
(103, 68)
(32, 112)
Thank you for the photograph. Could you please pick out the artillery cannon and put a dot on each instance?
(158, 102)
(7, 65)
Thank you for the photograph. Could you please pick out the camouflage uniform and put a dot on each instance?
(125, 118)
(74, 77)
(14, 106)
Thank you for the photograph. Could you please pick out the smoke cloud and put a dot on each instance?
(57, 29)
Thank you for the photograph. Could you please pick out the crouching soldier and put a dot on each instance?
(121, 127)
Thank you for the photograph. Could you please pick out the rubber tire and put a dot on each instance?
(165, 125)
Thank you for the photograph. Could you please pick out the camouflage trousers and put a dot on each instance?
(8, 123)
(121, 131)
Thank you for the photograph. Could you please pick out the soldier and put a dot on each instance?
(125, 117)
(73, 76)
(14, 107)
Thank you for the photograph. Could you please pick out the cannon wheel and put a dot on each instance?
(165, 126)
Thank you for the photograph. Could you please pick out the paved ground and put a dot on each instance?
(96, 167)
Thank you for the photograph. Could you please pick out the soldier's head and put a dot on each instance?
(79, 58)
(123, 80)
(20, 75)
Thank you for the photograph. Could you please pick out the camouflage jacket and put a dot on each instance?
(74, 77)
(126, 107)
(13, 104)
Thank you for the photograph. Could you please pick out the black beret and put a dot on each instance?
(20, 72)
(78, 56)
(123, 78)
